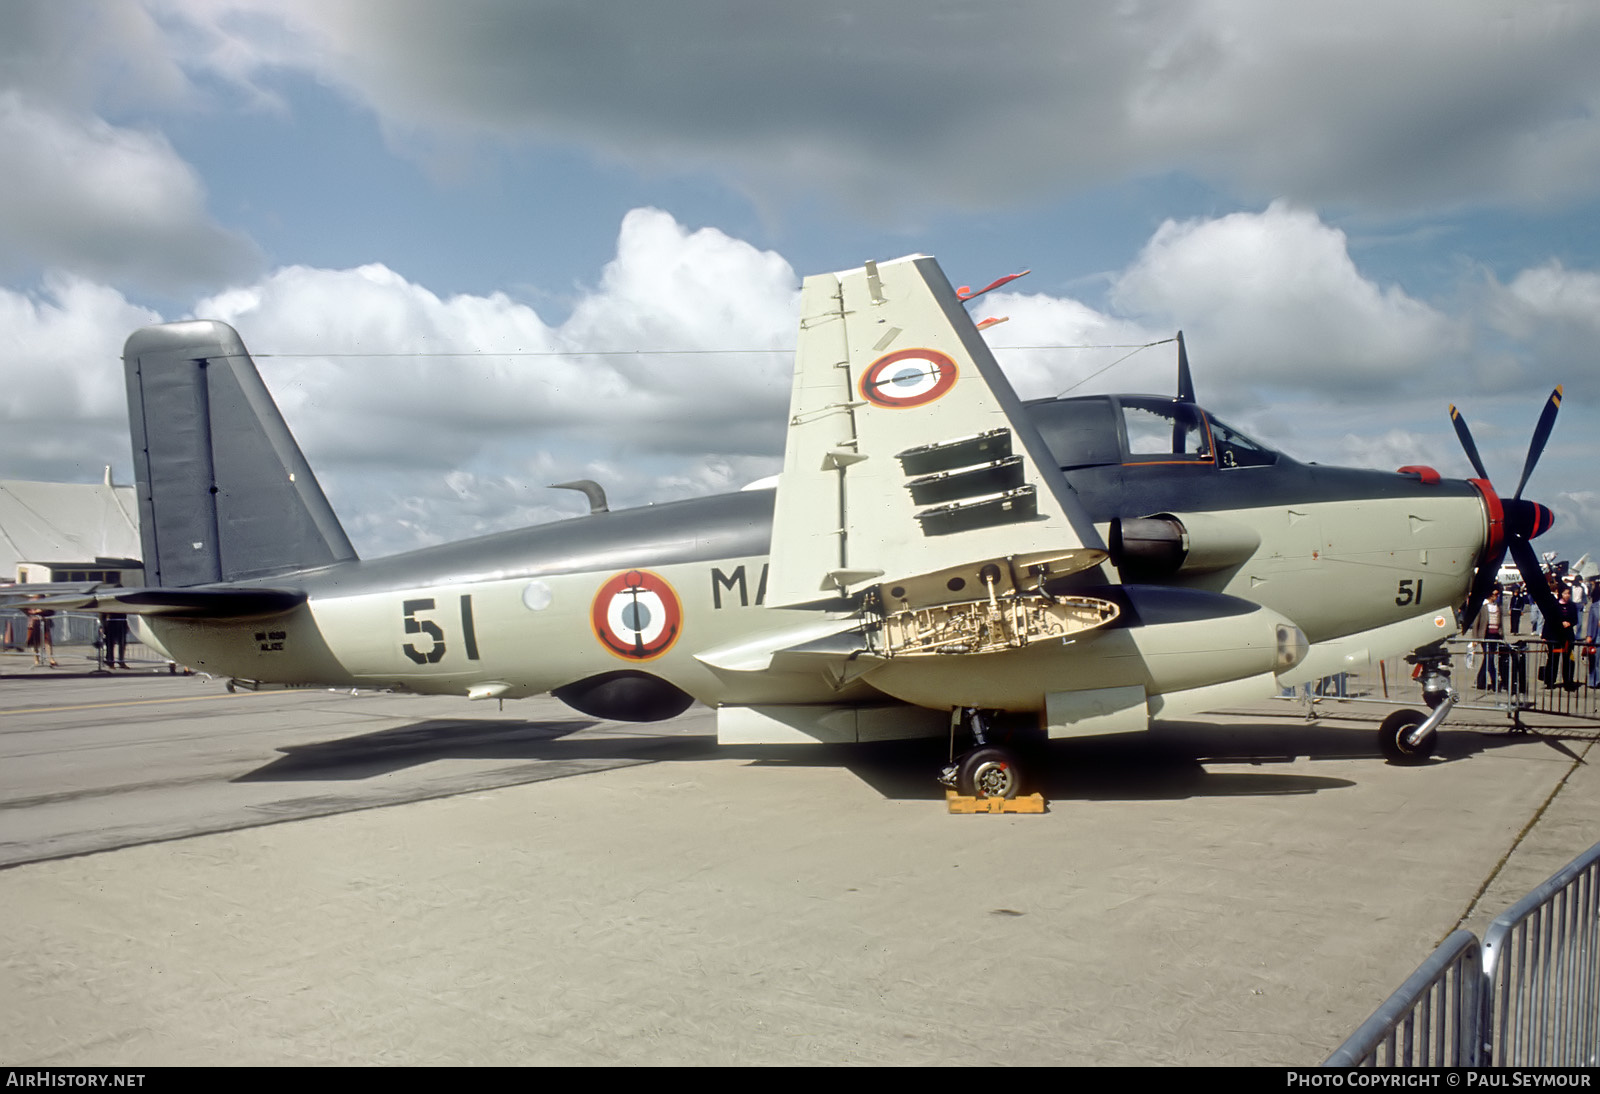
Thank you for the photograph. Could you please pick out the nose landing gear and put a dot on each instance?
(1409, 736)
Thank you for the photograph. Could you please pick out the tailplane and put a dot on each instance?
(224, 492)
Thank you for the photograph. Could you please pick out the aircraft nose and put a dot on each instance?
(1527, 518)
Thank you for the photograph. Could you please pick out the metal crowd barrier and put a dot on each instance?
(1528, 996)
(1521, 675)
(1511, 676)
(1432, 1021)
(1541, 967)
(67, 629)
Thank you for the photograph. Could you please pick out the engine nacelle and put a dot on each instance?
(1149, 548)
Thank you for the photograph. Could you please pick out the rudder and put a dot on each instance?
(224, 491)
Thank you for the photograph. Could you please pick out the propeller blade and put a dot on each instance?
(1541, 434)
(1482, 586)
(1533, 576)
(1465, 436)
(1185, 381)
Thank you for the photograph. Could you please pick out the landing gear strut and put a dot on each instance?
(1409, 736)
(986, 770)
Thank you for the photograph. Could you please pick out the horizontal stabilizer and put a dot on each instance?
(188, 603)
(12, 595)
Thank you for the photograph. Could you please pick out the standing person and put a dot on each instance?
(1519, 598)
(114, 638)
(1591, 625)
(40, 639)
(1559, 631)
(1486, 630)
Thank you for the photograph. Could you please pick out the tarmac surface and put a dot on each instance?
(190, 876)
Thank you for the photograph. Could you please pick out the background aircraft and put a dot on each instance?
(937, 557)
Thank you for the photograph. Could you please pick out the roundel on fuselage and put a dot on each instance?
(907, 378)
(637, 615)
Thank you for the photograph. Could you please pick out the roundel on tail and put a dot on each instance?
(637, 615)
(907, 378)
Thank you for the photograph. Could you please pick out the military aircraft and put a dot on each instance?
(937, 558)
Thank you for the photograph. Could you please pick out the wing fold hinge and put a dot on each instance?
(983, 607)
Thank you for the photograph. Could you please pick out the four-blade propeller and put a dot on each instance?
(1512, 522)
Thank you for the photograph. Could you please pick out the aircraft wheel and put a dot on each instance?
(989, 772)
(1392, 738)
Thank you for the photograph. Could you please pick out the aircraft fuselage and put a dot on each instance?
(1336, 551)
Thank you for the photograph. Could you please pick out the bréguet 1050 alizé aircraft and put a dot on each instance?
(938, 557)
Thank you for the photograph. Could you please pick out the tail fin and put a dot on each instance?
(224, 492)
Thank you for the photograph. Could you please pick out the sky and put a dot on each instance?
(485, 246)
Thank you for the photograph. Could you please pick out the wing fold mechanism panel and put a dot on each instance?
(913, 479)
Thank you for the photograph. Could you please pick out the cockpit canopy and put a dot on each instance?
(1142, 429)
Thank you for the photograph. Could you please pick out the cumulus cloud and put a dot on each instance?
(1268, 302)
(1397, 448)
(503, 370)
(432, 418)
(469, 405)
(1035, 325)
(910, 102)
(107, 202)
(1276, 298)
(62, 410)
(1553, 314)
(76, 53)
(1577, 516)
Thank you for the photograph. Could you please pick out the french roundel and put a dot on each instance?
(637, 615)
(908, 377)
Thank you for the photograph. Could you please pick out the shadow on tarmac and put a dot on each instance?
(1166, 763)
(388, 750)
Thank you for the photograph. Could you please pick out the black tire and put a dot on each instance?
(1392, 738)
(989, 772)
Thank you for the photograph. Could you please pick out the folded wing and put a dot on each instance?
(911, 472)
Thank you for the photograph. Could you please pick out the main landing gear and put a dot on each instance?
(989, 769)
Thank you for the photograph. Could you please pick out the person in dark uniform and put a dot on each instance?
(1559, 632)
(114, 638)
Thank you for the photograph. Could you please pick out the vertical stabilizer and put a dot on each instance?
(224, 492)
